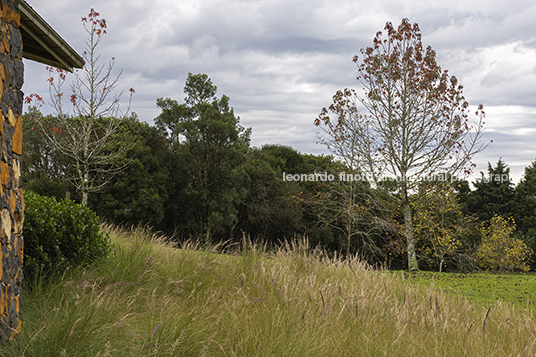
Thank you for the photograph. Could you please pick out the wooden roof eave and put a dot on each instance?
(42, 44)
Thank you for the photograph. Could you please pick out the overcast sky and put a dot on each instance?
(281, 61)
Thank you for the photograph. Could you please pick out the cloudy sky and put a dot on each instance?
(280, 61)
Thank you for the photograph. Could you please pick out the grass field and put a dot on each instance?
(151, 299)
(518, 289)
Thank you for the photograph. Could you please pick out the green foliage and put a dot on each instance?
(525, 199)
(269, 211)
(59, 233)
(138, 194)
(494, 193)
(44, 168)
(524, 210)
(207, 166)
(500, 250)
(439, 224)
(286, 159)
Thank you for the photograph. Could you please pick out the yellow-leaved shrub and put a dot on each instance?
(500, 250)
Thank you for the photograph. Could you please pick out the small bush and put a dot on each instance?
(59, 234)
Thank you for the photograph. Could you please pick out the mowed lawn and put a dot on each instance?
(518, 289)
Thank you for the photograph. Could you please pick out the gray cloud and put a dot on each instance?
(281, 61)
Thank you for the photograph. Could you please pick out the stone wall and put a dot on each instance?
(11, 201)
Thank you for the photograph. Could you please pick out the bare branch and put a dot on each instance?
(87, 136)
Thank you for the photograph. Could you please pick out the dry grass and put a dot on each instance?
(151, 299)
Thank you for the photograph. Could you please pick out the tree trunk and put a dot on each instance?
(84, 198)
(412, 257)
(85, 188)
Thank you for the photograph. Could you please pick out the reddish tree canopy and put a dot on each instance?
(410, 122)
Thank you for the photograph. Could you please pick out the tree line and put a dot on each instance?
(388, 192)
(194, 174)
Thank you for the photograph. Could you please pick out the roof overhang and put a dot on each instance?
(42, 44)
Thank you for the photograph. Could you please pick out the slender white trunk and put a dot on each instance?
(410, 241)
(85, 189)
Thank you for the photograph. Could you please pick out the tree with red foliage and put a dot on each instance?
(409, 123)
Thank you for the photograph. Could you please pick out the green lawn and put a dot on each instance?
(518, 289)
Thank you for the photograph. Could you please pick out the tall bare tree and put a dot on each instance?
(86, 136)
(409, 122)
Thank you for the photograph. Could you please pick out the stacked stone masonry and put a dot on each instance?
(11, 200)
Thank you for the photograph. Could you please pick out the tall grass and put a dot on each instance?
(150, 298)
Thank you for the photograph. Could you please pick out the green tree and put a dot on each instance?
(524, 209)
(175, 118)
(269, 210)
(525, 199)
(138, 194)
(285, 159)
(493, 194)
(207, 168)
(415, 121)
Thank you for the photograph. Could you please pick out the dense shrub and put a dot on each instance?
(500, 250)
(59, 234)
